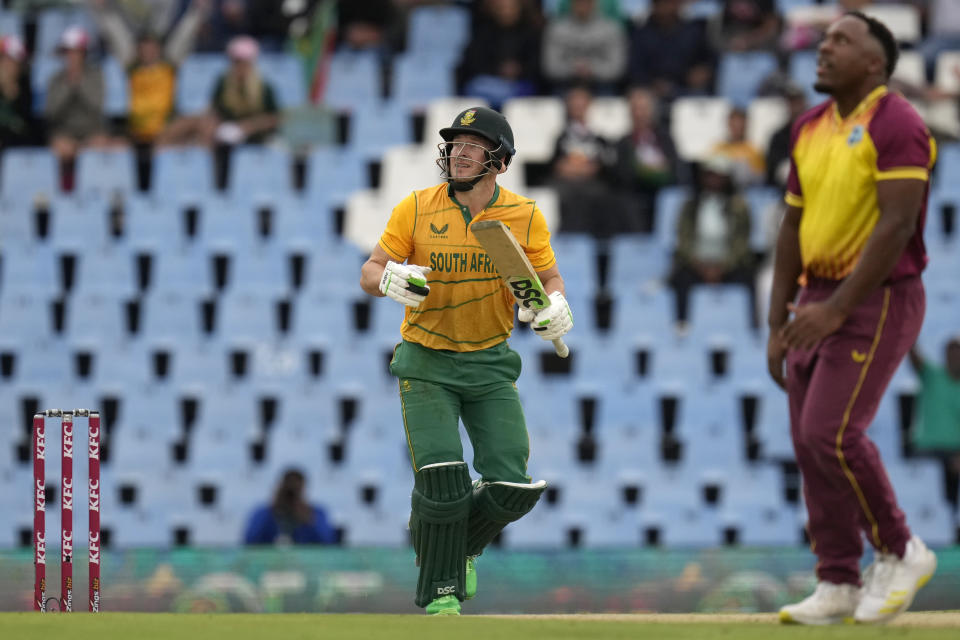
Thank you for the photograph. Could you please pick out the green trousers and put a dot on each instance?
(439, 388)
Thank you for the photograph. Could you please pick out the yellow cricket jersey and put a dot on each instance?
(835, 166)
(468, 307)
(152, 92)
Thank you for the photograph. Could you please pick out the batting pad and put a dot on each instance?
(495, 505)
(440, 508)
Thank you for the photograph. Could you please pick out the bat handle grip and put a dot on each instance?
(562, 349)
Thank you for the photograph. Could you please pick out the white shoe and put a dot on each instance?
(891, 583)
(829, 604)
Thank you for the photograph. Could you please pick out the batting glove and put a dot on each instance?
(405, 283)
(556, 320)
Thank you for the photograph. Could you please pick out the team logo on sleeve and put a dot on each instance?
(856, 135)
(468, 118)
(441, 232)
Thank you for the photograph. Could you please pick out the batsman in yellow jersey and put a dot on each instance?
(454, 362)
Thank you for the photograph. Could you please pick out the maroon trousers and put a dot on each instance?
(834, 390)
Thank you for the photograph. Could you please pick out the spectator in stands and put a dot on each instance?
(151, 71)
(74, 108)
(243, 107)
(365, 25)
(16, 99)
(141, 16)
(778, 149)
(289, 518)
(582, 164)
(646, 159)
(746, 25)
(713, 236)
(936, 426)
(749, 166)
(943, 31)
(584, 47)
(502, 59)
(671, 54)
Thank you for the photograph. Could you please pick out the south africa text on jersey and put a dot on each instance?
(461, 261)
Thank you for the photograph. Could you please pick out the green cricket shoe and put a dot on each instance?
(470, 578)
(444, 606)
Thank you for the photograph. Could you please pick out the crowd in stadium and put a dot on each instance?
(148, 76)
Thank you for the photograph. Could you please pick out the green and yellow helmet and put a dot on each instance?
(489, 125)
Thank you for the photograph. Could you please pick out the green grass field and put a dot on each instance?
(142, 626)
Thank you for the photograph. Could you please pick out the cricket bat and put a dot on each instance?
(515, 269)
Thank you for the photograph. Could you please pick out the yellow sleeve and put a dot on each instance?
(537, 243)
(397, 238)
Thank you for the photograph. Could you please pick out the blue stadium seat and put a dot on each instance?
(419, 78)
(170, 318)
(918, 485)
(25, 317)
(772, 424)
(151, 225)
(948, 164)
(43, 69)
(105, 274)
(302, 227)
(668, 204)
(222, 436)
(116, 102)
(183, 171)
(763, 525)
(803, 72)
(11, 24)
(760, 200)
(102, 173)
(376, 126)
(17, 224)
(711, 431)
(261, 271)
(353, 79)
(703, 9)
(644, 317)
(385, 321)
(439, 30)
(27, 173)
(183, 272)
(783, 6)
(740, 75)
(95, 318)
(79, 225)
(333, 174)
(30, 271)
(43, 368)
(258, 170)
(196, 81)
(542, 528)
(720, 315)
(635, 257)
(286, 73)
(246, 317)
(320, 320)
(577, 259)
(340, 262)
(372, 528)
(226, 225)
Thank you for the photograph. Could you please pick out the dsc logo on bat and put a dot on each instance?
(527, 293)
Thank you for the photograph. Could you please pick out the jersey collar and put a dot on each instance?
(465, 210)
(868, 101)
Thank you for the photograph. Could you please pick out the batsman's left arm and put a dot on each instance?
(552, 280)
